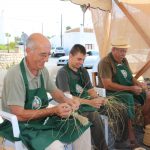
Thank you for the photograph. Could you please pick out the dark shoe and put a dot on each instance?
(122, 145)
(134, 144)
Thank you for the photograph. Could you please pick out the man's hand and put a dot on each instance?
(63, 110)
(136, 89)
(74, 103)
(97, 102)
(143, 86)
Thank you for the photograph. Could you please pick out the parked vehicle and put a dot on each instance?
(90, 60)
(58, 51)
(62, 60)
(92, 52)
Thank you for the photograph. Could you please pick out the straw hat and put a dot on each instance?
(140, 148)
(120, 43)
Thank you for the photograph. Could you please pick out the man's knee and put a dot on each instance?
(83, 142)
(92, 116)
(56, 145)
(126, 98)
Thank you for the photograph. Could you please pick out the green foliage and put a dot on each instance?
(83, 8)
(7, 34)
(17, 39)
(3, 47)
(68, 27)
(12, 45)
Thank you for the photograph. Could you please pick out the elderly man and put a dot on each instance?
(74, 79)
(25, 95)
(116, 77)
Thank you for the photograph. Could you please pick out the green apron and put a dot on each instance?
(40, 133)
(123, 76)
(78, 88)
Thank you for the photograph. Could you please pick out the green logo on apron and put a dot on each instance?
(79, 89)
(36, 104)
(124, 73)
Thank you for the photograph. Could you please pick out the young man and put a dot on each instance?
(116, 77)
(25, 95)
(74, 79)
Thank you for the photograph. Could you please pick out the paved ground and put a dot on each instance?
(139, 135)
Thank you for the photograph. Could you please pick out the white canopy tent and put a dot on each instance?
(123, 18)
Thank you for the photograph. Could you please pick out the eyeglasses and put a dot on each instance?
(44, 55)
(121, 50)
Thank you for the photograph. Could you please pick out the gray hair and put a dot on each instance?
(31, 43)
(36, 40)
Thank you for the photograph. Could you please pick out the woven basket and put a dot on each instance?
(139, 148)
(146, 139)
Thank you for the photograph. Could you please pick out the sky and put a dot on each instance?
(41, 16)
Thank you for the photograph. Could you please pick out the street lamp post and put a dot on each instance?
(61, 31)
(42, 27)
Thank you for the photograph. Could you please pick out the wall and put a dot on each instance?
(6, 61)
(9, 59)
(71, 38)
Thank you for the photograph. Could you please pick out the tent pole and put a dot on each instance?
(143, 69)
(140, 31)
(134, 23)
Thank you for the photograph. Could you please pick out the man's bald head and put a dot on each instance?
(37, 40)
(38, 50)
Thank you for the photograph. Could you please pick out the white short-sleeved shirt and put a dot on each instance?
(14, 92)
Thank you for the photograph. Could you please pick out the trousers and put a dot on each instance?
(83, 142)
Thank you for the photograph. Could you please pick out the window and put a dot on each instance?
(89, 46)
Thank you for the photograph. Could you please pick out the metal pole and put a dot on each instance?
(83, 18)
(42, 27)
(61, 31)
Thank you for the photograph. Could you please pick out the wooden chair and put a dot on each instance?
(138, 108)
(94, 79)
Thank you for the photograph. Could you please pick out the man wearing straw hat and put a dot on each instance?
(115, 76)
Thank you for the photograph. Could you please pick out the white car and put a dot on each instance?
(90, 60)
(58, 51)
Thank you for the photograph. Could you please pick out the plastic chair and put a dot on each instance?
(18, 145)
(94, 79)
(102, 92)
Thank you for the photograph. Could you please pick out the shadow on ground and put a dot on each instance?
(139, 136)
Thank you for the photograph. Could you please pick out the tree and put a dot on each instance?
(68, 28)
(17, 39)
(83, 8)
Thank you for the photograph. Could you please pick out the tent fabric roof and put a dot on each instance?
(136, 1)
(126, 18)
(131, 21)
